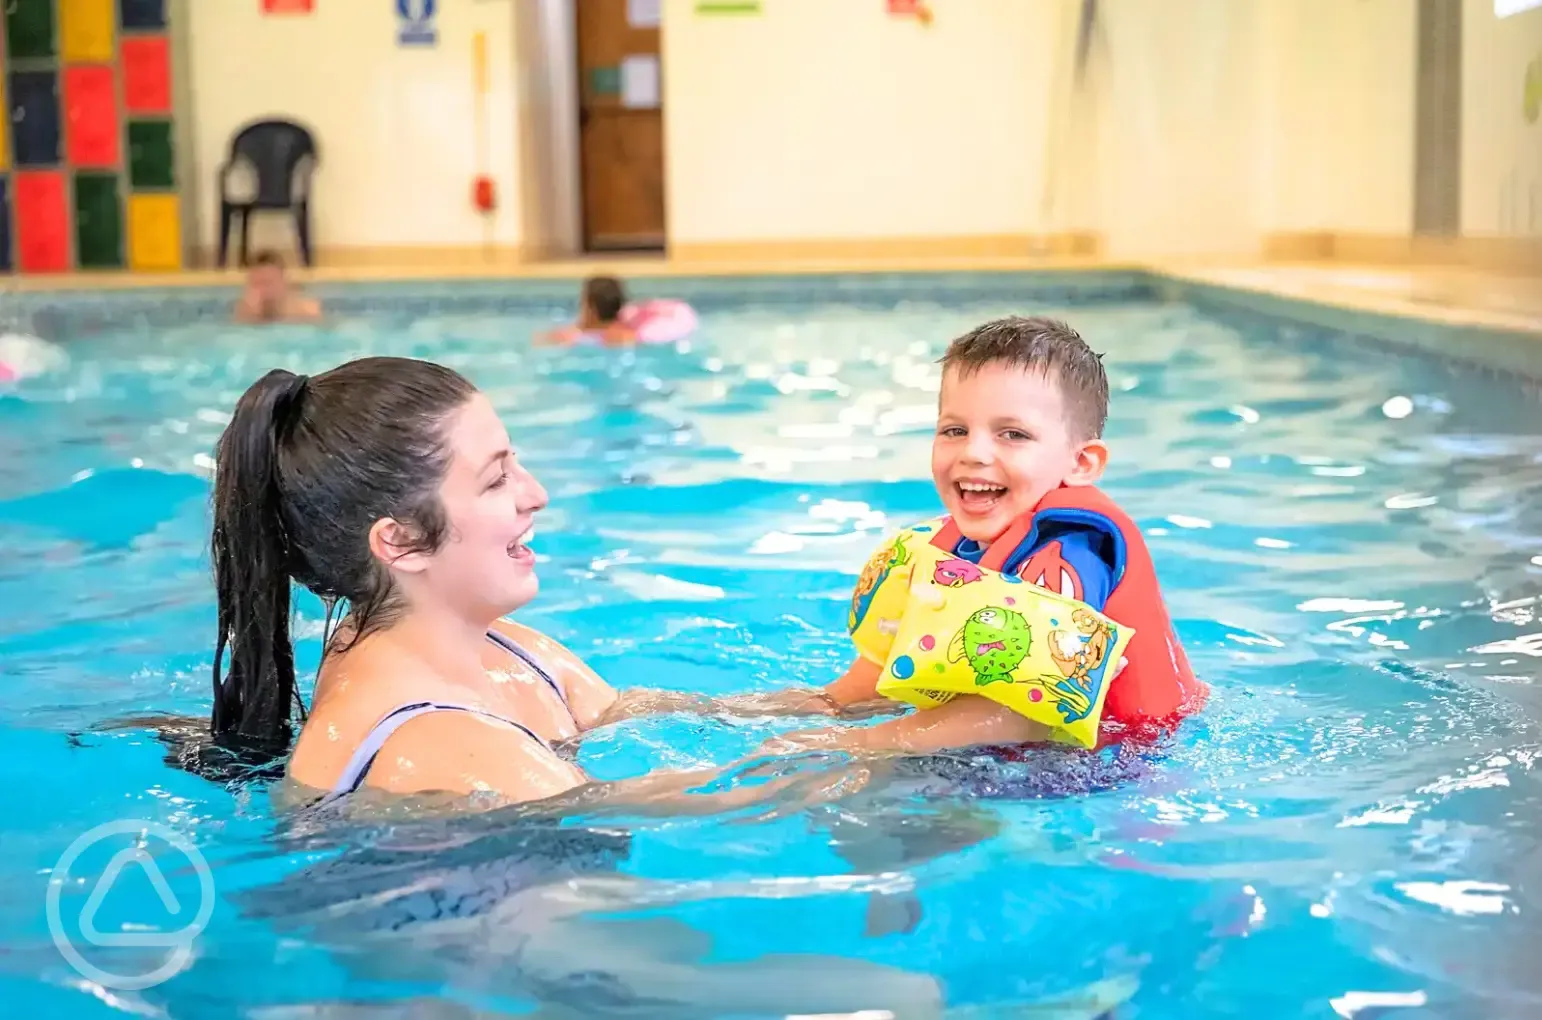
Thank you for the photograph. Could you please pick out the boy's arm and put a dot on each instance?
(967, 721)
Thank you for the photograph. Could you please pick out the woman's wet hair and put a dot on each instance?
(304, 469)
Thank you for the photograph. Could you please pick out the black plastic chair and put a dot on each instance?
(282, 154)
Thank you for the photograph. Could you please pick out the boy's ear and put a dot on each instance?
(1091, 459)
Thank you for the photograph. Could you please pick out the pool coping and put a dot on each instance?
(1502, 341)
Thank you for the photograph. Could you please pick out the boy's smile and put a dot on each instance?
(1003, 441)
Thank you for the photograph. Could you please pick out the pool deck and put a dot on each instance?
(1446, 295)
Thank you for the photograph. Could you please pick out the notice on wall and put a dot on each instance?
(644, 13)
(415, 24)
(288, 6)
(640, 81)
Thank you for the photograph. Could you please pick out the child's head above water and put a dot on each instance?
(1021, 413)
(603, 299)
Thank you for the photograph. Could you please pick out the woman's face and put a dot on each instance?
(484, 567)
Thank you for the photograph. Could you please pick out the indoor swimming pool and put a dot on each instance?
(1347, 533)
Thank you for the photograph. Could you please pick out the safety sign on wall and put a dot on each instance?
(415, 23)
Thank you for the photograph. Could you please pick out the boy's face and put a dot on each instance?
(1002, 443)
(267, 282)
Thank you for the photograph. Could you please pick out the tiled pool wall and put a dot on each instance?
(68, 314)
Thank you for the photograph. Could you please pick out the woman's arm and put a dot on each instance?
(966, 721)
(853, 694)
(594, 702)
(461, 753)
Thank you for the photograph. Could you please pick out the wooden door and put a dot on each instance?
(621, 125)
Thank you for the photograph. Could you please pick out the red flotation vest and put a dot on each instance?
(1157, 687)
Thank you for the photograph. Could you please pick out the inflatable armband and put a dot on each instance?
(883, 592)
(942, 626)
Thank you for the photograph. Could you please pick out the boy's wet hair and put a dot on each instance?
(1038, 344)
(605, 296)
(267, 257)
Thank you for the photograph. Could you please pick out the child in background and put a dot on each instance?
(268, 296)
(600, 305)
(1018, 450)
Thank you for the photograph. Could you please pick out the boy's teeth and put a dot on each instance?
(972, 487)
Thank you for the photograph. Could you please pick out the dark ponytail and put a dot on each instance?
(302, 472)
(252, 568)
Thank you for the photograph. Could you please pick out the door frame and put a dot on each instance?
(580, 236)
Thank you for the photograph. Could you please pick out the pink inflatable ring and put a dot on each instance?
(659, 321)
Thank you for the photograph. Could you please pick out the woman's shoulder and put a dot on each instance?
(587, 694)
(547, 650)
(355, 691)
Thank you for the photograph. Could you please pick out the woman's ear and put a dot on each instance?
(1091, 459)
(396, 545)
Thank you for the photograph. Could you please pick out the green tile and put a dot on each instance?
(151, 163)
(98, 222)
(29, 28)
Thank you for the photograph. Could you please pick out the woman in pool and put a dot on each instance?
(391, 484)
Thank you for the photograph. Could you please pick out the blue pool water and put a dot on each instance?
(1348, 537)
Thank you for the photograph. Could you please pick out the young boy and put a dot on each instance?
(268, 296)
(1019, 448)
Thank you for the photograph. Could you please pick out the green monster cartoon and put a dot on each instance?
(994, 641)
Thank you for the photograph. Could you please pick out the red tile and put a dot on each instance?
(91, 129)
(146, 63)
(42, 222)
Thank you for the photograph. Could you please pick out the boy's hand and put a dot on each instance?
(857, 685)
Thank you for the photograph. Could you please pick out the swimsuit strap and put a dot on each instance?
(508, 644)
(352, 776)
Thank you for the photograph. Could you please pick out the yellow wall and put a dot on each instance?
(394, 125)
(1339, 96)
(1501, 153)
(1205, 125)
(820, 119)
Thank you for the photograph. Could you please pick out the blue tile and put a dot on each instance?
(142, 14)
(34, 113)
(5, 224)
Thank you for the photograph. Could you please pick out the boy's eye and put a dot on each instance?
(1017, 435)
(953, 431)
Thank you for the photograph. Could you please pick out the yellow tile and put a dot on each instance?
(154, 232)
(5, 138)
(86, 31)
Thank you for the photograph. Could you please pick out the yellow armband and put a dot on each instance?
(964, 629)
(882, 592)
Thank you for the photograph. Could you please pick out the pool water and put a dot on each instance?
(1348, 538)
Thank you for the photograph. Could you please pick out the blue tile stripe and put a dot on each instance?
(65, 315)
